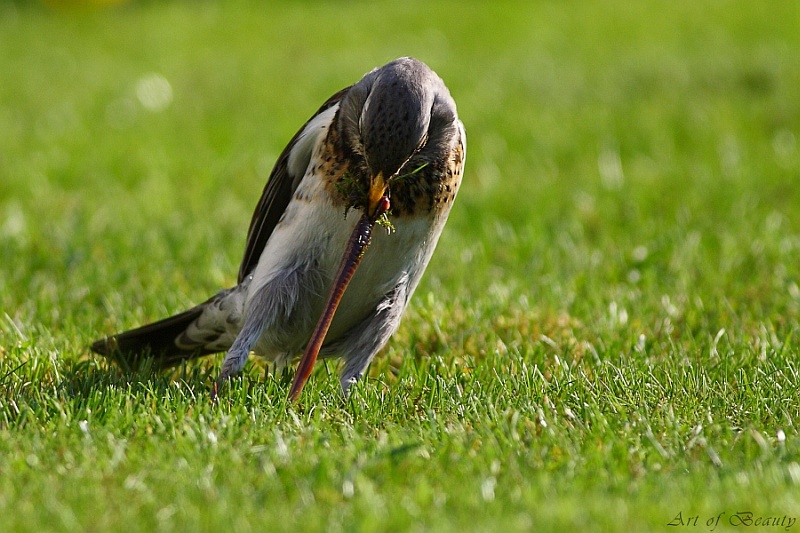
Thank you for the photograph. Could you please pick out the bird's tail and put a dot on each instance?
(164, 343)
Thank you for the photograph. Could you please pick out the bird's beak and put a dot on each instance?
(377, 190)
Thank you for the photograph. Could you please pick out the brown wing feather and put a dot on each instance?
(276, 196)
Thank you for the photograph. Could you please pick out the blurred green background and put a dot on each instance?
(627, 236)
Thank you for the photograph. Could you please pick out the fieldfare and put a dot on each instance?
(387, 151)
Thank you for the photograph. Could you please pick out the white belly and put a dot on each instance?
(311, 225)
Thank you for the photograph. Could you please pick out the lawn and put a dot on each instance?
(607, 339)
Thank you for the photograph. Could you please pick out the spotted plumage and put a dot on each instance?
(391, 141)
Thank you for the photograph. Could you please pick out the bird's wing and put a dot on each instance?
(283, 181)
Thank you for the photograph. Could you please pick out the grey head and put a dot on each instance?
(397, 112)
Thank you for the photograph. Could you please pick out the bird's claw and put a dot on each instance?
(215, 388)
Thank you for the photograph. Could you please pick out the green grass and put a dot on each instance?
(607, 336)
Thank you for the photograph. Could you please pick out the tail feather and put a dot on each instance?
(155, 342)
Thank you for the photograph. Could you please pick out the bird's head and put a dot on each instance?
(397, 117)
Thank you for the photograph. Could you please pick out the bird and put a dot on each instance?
(344, 229)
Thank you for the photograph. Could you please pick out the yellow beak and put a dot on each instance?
(377, 189)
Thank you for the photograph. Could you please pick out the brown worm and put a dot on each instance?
(359, 240)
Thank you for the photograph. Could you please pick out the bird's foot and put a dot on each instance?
(215, 388)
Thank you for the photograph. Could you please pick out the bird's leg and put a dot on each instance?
(237, 356)
(277, 298)
(363, 342)
(359, 240)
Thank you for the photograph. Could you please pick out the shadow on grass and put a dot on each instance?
(38, 389)
(84, 377)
